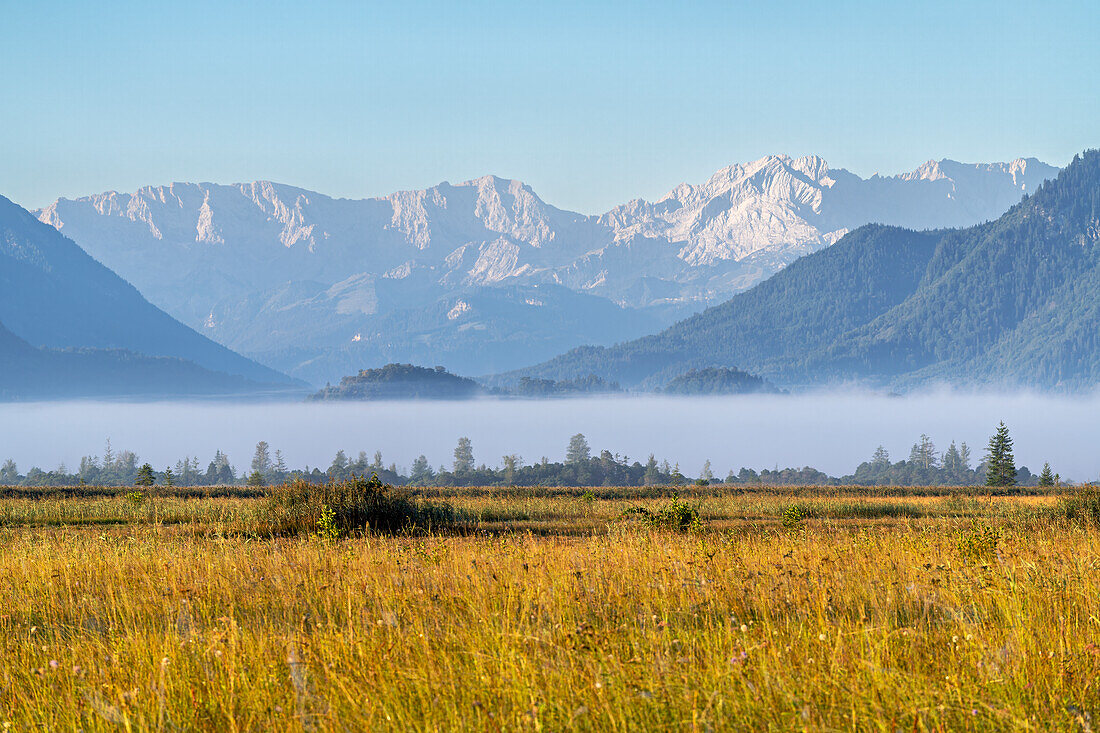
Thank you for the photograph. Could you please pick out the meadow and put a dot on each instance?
(551, 609)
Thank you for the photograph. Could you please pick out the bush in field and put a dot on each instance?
(676, 515)
(326, 525)
(339, 508)
(793, 516)
(1082, 506)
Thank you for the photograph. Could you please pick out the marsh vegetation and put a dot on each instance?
(528, 609)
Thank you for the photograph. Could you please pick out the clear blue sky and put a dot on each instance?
(591, 103)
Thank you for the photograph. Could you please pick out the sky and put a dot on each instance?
(592, 104)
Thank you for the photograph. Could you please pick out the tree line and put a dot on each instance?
(924, 466)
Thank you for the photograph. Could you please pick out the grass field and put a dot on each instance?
(817, 609)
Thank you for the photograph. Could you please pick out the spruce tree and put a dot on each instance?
(952, 459)
(1046, 478)
(1000, 464)
(145, 476)
(261, 459)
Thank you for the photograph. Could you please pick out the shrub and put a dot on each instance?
(793, 516)
(135, 498)
(339, 508)
(676, 515)
(326, 525)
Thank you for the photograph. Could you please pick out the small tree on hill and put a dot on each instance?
(169, 478)
(1000, 464)
(145, 476)
(1046, 478)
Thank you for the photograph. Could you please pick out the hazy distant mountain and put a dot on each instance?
(1015, 301)
(30, 373)
(298, 279)
(54, 295)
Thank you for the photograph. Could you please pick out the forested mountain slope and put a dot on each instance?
(1015, 301)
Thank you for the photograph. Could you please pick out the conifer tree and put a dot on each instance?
(280, 464)
(145, 476)
(169, 477)
(1000, 464)
(1046, 478)
(261, 459)
(421, 470)
(923, 453)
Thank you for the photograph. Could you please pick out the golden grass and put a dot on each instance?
(853, 620)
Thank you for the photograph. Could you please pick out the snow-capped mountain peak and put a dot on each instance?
(222, 258)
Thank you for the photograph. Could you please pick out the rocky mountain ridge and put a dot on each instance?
(1010, 303)
(240, 262)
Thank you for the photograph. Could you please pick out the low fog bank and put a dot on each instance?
(832, 432)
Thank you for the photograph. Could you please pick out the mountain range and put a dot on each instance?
(484, 276)
(71, 327)
(1011, 302)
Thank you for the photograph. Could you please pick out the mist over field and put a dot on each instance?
(833, 432)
